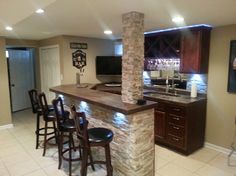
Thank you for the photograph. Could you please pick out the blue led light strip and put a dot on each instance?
(177, 28)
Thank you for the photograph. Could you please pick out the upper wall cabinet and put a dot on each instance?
(191, 45)
(194, 52)
(162, 45)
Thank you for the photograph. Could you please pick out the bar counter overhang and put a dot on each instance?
(133, 147)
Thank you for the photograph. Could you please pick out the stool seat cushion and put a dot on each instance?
(51, 116)
(100, 135)
(67, 125)
(50, 107)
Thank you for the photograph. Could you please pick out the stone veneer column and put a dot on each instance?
(133, 56)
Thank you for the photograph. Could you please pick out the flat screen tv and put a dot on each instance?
(108, 65)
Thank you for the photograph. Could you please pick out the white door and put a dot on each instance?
(49, 70)
(21, 72)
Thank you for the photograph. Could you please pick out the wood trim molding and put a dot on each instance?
(217, 148)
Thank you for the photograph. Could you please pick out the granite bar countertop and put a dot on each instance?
(157, 93)
(100, 98)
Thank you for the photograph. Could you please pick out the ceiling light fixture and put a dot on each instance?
(9, 28)
(178, 19)
(108, 32)
(39, 11)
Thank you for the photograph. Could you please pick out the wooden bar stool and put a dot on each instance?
(93, 137)
(65, 128)
(48, 117)
(33, 94)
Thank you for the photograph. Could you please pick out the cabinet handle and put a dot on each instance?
(176, 118)
(176, 139)
(176, 109)
(177, 128)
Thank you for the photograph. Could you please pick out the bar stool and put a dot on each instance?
(33, 94)
(65, 125)
(48, 117)
(93, 137)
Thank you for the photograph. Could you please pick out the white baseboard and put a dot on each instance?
(3, 127)
(217, 148)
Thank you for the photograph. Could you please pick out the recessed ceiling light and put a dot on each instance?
(39, 11)
(108, 32)
(178, 19)
(9, 28)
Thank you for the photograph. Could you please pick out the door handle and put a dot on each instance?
(12, 85)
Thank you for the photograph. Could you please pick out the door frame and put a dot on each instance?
(8, 68)
(40, 60)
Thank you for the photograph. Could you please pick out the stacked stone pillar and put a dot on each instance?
(133, 57)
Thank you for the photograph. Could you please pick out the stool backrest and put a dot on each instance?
(59, 110)
(33, 94)
(43, 104)
(81, 125)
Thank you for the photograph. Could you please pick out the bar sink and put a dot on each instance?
(161, 93)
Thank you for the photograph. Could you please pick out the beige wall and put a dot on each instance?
(221, 106)
(95, 47)
(5, 110)
(21, 43)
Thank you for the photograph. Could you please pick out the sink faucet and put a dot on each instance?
(167, 84)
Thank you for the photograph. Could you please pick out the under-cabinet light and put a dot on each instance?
(177, 28)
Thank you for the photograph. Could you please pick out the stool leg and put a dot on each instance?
(70, 153)
(108, 160)
(91, 158)
(37, 130)
(73, 142)
(45, 138)
(84, 162)
(55, 131)
(60, 147)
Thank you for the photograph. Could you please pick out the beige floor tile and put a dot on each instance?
(204, 155)
(1, 164)
(54, 171)
(166, 154)
(16, 158)
(188, 163)
(208, 170)
(173, 170)
(45, 161)
(23, 168)
(160, 162)
(4, 171)
(37, 173)
(12, 150)
(221, 162)
(9, 142)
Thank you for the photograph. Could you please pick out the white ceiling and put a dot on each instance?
(90, 18)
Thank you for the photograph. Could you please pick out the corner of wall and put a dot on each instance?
(5, 108)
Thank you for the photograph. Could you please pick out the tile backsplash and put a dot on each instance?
(199, 79)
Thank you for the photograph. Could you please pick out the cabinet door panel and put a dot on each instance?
(190, 52)
(160, 124)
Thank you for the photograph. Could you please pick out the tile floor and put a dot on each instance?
(18, 156)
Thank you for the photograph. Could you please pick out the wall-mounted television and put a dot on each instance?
(108, 65)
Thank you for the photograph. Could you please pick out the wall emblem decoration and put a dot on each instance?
(79, 59)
